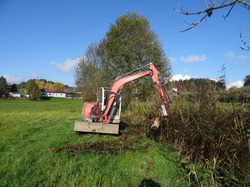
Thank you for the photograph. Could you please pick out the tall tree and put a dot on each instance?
(4, 87)
(33, 90)
(13, 88)
(89, 74)
(129, 44)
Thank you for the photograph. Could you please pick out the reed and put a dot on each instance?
(214, 133)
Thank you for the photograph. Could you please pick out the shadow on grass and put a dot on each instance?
(46, 98)
(148, 183)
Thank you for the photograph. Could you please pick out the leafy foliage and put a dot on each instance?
(59, 86)
(13, 88)
(22, 85)
(45, 84)
(4, 87)
(129, 44)
(40, 83)
(33, 90)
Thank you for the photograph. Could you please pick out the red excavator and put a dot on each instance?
(104, 115)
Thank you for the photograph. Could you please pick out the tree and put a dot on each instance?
(33, 90)
(23, 84)
(40, 83)
(129, 44)
(89, 74)
(13, 88)
(48, 85)
(208, 11)
(4, 87)
(59, 86)
(247, 81)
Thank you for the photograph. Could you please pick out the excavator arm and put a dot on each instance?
(121, 81)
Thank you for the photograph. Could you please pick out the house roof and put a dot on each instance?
(71, 92)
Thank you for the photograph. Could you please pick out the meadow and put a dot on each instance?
(39, 148)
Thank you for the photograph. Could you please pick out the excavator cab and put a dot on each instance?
(91, 114)
(102, 100)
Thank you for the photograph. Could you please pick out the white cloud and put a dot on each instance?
(35, 75)
(239, 58)
(193, 58)
(236, 84)
(180, 76)
(242, 57)
(52, 63)
(230, 54)
(67, 66)
(12, 79)
(172, 59)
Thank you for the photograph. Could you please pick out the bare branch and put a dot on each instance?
(247, 47)
(194, 24)
(244, 3)
(209, 10)
(229, 11)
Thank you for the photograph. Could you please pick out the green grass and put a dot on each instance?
(242, 89)
(32, 131)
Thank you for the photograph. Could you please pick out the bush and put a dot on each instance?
(213, 133)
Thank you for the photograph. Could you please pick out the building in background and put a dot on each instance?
(14, 94)
(52, 92)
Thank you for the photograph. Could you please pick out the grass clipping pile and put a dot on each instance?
(130, 140)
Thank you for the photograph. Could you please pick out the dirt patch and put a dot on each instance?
(130, 140)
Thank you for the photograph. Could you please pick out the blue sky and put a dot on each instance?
(45, 38)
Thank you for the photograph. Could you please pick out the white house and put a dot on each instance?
(14, 94)
(51, 92)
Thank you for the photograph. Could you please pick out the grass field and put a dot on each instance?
(39, 148)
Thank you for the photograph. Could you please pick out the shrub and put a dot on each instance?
(210, 132)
